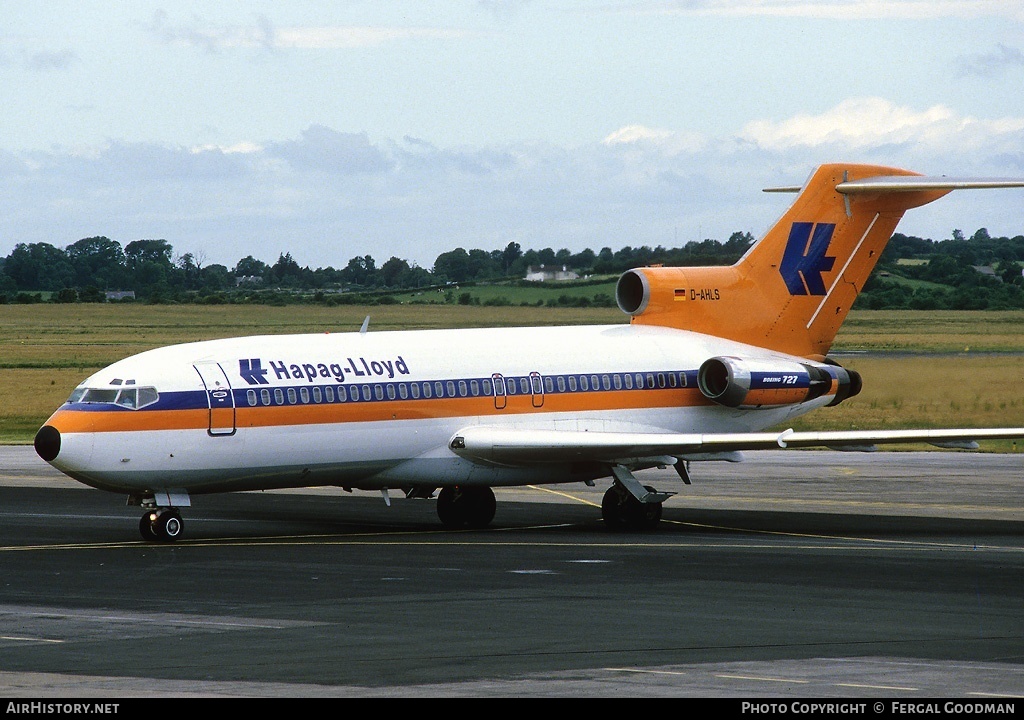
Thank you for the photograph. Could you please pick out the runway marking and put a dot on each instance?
(763, 679)
(384, 538)
(15, 638)
(15, 613)
(880, 541)
(640, 671)
(564, 494)
(878, 687)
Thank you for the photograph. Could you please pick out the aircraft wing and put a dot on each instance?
(512, 446)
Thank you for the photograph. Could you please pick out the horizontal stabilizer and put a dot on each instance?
(910, 183)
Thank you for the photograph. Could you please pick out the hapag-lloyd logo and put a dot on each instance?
(804, 259)
(253, 372)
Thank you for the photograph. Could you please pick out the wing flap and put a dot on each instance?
(516, 446)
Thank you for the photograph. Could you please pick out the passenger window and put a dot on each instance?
(318, 395)
(265, 397)
(279, 396)
(329, 393)
(463, 389)
(304, 395)
(292, 399)
(251, 397)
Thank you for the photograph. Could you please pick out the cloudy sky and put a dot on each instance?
(411, 127)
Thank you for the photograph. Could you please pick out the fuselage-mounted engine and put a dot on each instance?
(748, 383)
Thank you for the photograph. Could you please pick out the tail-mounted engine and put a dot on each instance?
(746, 383)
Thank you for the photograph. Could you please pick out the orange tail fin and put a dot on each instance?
(794, 287)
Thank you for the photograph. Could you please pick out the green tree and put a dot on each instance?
(98, 261)
(39, 266)
(361, 271)
(452, 266)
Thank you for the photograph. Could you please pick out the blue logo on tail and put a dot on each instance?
(804, 260)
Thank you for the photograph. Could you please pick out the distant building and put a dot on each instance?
(545, 274)
(247, 280)
(119, 295)
(987, 271)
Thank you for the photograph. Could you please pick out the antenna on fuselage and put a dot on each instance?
(366, 324)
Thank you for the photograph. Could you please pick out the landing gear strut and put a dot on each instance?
(465, 507)
(162, 525)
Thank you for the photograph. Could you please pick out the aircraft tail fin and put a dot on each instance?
(794, 287)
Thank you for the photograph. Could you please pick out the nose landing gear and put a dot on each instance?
(162, 525)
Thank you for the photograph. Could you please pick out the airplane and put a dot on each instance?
(710, 360)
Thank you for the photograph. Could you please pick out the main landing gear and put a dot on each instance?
(628, 505)
(161, 524)
(465, 507)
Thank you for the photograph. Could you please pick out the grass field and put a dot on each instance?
(920, 369)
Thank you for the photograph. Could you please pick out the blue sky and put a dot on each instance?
(335, 129)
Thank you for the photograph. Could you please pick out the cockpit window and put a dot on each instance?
(132, 398)
(100, 395)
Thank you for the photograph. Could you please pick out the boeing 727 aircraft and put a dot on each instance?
(711, 357)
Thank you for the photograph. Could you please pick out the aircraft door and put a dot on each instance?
(219, 397)
(536, 389)
(500, 400)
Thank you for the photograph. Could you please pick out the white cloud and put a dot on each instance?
(327, 196)
(864, 123)
(852, 9)
(263, 34)
(354, 37)
(670, 141)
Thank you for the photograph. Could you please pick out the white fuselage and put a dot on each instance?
(378, 409)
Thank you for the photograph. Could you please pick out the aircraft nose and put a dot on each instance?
(47, 442)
